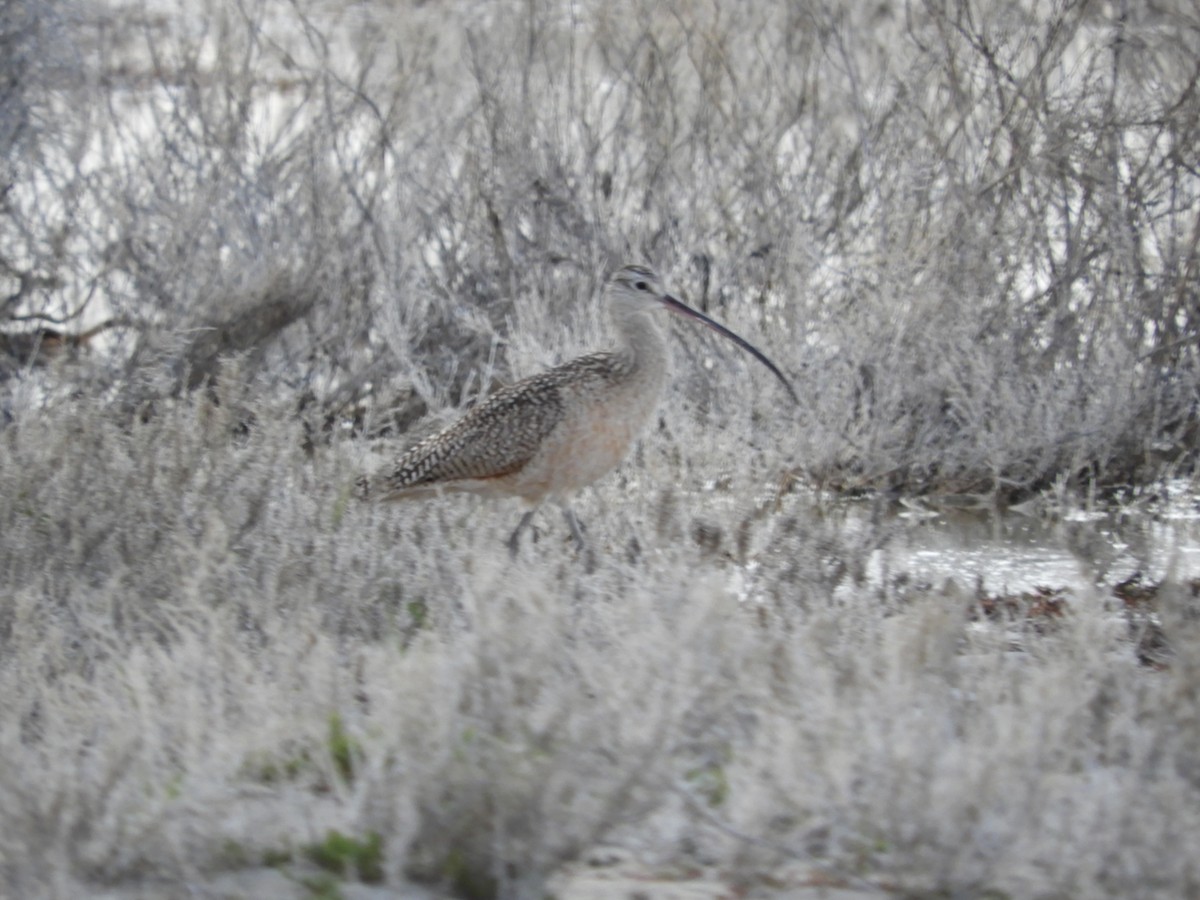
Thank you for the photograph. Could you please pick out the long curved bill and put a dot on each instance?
(681, 308)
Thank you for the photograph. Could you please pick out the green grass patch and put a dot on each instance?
(343, 749)
(349, 856)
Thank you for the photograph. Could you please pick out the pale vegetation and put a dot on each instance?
(245, 247)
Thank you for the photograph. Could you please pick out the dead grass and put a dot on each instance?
(970, 236)
(188, 613)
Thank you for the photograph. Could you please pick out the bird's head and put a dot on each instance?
(637, 289)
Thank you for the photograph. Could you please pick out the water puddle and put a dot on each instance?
(1012, 553)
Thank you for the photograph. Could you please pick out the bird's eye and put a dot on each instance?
(642, 286)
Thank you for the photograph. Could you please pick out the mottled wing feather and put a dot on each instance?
(493, 439)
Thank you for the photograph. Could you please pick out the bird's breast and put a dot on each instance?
(595, 434)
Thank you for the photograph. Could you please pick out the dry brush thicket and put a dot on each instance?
(241, 241)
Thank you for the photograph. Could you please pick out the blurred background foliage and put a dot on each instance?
(970, 231)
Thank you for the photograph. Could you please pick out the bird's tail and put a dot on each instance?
(382, 487)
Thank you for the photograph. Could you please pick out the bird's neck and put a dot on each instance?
(643, 345)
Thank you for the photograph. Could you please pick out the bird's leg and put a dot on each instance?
(514, 540)
(576, 528)
(589, 564)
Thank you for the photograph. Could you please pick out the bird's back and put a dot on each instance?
(502, 434)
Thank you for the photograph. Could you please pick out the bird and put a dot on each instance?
(551, 434)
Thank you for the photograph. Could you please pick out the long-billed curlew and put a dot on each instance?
(553, 433)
